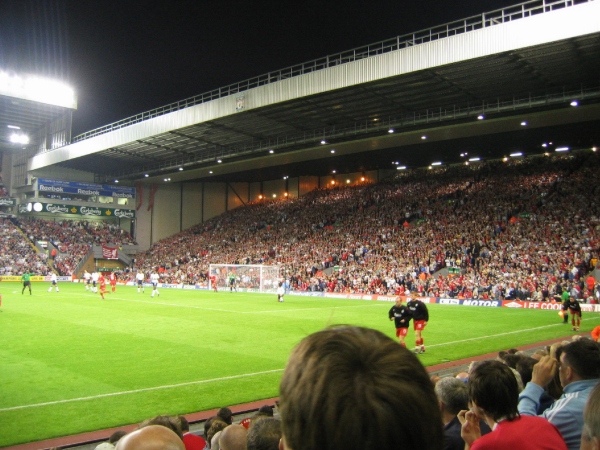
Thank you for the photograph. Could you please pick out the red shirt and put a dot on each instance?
(193, 441)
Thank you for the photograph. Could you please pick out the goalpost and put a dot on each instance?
(248, 277)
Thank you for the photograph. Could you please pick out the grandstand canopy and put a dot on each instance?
(524, 96)
(28, 115)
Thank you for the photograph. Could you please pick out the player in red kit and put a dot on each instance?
(102, 283)
(575, 311)
(112, 279)
(420, 316)
(213, 282)
(401, 316)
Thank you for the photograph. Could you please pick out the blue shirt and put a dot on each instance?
(566, 413)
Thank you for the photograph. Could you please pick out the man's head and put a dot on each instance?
(152, 437)
(264, 434)
(399, 300)
(233, 438)
(184, 424)
(226, 414)
(493, 389)
(354, 388)
(170, 422)
(590, 437)
(579, 360)
(453, 396)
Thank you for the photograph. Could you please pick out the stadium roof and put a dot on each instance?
(524, 96)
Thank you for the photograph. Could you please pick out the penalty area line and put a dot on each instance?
(136, 391)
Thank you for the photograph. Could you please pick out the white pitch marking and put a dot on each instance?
(135, 391)
(502, 334)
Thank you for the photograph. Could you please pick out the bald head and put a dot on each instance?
(152, 437)
(233, 438)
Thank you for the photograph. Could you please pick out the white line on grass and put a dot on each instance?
(502, 334)
(308, 309)
(233, 377)
(135, 391)
(176, 305)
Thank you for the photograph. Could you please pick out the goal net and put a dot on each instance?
(244, 277)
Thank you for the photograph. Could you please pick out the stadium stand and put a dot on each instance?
(523, 229)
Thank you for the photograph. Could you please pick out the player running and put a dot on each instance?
(140, 277)
(54, 282)
(280, 292)
(102, 283)
(95, 278)
(401, 316)
(420, 316)
(575, 311)
(154, 280)
(87, 279)
(213, 282)
(112, 279)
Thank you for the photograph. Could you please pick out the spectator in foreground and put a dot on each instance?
(590, 438)
(453, 397)
(264, 434)
(169, 422)
(190, 440)
(354, 388)
(233, 437)
(493, 393)
(578, 366)
(226, 414)
(151, 437)
(112, 441)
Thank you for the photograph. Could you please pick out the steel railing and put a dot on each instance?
(472, 23)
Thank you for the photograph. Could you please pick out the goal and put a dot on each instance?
(248, 277)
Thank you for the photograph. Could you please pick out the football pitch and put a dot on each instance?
(72, 362)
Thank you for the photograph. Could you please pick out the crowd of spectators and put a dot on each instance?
(17, 254)
(522, 229)
(72, 239)
(259, 432)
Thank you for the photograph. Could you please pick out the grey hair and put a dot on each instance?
(453, 393)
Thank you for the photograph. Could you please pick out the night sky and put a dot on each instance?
(124, 57)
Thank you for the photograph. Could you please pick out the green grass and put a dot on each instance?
(71, 362)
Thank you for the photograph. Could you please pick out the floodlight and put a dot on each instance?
(37, 89)
(19, 139)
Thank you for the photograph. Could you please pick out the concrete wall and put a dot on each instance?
(191, 204)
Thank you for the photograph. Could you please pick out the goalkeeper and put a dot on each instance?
(232, 282)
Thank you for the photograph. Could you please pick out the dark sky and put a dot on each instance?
(124, 57)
